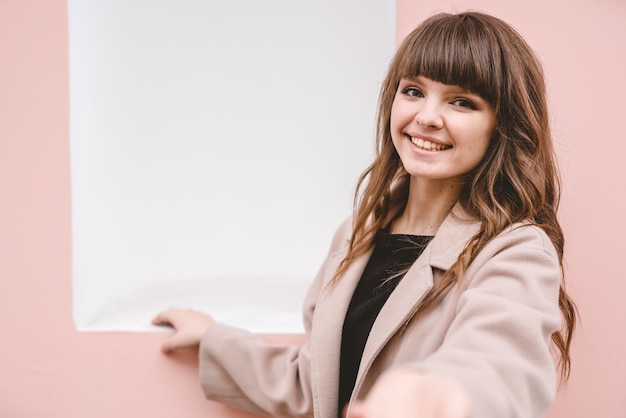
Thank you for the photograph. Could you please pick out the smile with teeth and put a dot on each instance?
(427, 145)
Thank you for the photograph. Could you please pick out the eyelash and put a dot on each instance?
(464, 103)
(415, 92)
(409, 91)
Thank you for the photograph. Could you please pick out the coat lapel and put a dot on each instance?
(441, 253)
(326, 333)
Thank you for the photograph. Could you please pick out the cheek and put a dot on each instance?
(393, 119)
(475, 145)
(396, 139)
(484, 132)
(398, 118)
(479, 148)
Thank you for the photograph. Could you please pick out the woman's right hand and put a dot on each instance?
(412, 394)
(189, 327)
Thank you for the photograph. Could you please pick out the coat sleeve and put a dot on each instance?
(498, 345)
(238, 368)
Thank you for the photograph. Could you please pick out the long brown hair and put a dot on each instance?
(516, 181)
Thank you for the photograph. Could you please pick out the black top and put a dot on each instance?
(392, 256)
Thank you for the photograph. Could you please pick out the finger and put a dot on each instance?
(159, 318)
(167, 347)
(171, 344)
(163, 318)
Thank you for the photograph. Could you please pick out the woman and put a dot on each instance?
(443, 294)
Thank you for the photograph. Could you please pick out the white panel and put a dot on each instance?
(215, 147)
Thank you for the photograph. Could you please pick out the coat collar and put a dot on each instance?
(451, 237)
(453, 234)
(441, 253)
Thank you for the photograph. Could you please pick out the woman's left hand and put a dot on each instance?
(189, 327)
(404, 393)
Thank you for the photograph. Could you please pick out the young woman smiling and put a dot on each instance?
(443, 295)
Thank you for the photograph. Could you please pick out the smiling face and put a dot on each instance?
(441, 132)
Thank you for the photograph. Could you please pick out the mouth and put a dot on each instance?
(427, 145)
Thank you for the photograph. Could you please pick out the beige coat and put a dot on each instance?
(494, 336)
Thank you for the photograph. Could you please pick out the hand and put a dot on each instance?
(410, 393)
(189, 327)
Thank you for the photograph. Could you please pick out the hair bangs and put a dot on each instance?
(456, 50)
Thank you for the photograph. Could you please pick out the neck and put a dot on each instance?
(427, 206)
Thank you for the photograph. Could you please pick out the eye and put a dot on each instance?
(464, 103)
(412, 91)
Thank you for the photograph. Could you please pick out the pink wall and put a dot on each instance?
(47, 369)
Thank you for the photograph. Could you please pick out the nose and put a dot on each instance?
(429, 115)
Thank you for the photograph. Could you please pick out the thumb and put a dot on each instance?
(180, 339)
(168, 345)
(173, 342)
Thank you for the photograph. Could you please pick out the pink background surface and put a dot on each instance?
(47, 369)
